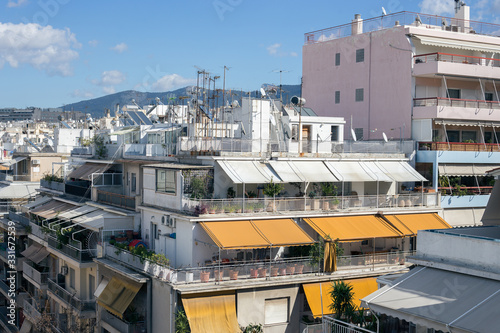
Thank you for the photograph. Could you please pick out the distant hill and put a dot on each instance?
(96, 106)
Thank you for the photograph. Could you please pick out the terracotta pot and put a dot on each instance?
(204, 276)
(326, 205)
(282, 271)
(219, 276)
(233, 275)
(299, 268)
(401, 203)
(262, 272)
(290, 270)
(253, 273)
(274, 271)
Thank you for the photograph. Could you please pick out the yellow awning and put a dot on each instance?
(212, 314)
(409, 224)
(361, 288)
(117, 295)
(256, 234)
(352, 228)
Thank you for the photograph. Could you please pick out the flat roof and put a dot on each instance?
(177, 166)
(486, 232)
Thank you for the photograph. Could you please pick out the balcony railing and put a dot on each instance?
(19, 218)
(404, 18)
(459, 146)
(81, 255)
(34, 274)
(69, 298)
(456, 58)
(56, 186)
(79, 191)
(31, 309)
(122, 325)
(264, 269)
(116, 199)
(36, 230)
(456, 102)
(328, 204)
(330, 324)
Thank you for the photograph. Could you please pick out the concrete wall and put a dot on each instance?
(160, 199)
(251, 307)
(163, 317)
(385, 76)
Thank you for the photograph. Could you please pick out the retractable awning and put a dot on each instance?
(37, 202)
(35, 253)
(52, 209)
(248, 172)
(18, 191)
(318, 294)
(97, 219)
(85, 171)
(117, 295)
(211, 314)
(410, 224)
(315, 171)
(125, 130)
(352, 228)
(83, 210)
(11, 162)
(465, 170)
(352, 171)
(458, 44)
(256, 234)
(287, 171)
(440, 299)
(400, 171)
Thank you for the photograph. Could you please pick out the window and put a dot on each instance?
(469, 136)
(436, 137)
(337, 59)
(360, 95)
(337, 97)
(360, 55)
(134, 182)
(335, 133)
(72, 278)
(154, 138)
(165, 181)
(453, 136)
(295, 131)
(155, 231)
(91, 286)
(489, 137)
(359, 133)
(453, 93)
(276, 311)
(488, 97)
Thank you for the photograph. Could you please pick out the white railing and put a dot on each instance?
(332, 325)
(370, 259)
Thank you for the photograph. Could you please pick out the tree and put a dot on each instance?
(181, 322)
(342, 300)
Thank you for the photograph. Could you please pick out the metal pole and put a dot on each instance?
(218, 277)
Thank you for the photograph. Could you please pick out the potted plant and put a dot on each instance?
(314, 202)
(262, 272)
(219, 208)
(233, 274)
(271, 190)
(274, 271)
(335, 203)
(299, 268)
(204, 276)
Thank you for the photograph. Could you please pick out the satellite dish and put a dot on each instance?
(262, 92)
(384, 13)
(385, 137)
(353, 135)
(235, 104)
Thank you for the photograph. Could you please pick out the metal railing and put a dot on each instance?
(404, 18)
(370, 259)
(69, 298)
(456, 102)
(115, 199)
(121, 324)
(455, 58)
(280, 204)
(30, 308)
(33, 273)
(79, 191)
(78, 151)
(81, 255)
(19, 218)
(36, 230)
(107, 179)
(333, 325)
(459, 146)
(53, 185)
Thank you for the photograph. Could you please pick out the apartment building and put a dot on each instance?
(419, 76)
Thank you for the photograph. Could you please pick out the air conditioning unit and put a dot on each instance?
(64, 270)
(165, 220)
(35, 162)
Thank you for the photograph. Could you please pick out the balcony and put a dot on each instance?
(265, 206)
(454, 108)
(114, 199)
(79, 189)
(254, 270)
(20, 218)
(78, 254)
(122, 325)
(459, 146)
(68, 298)
(455, 64)
(52, 185)
(82, 152)
(31, 309)
(4, 320)
(39, 274)
(36, 230)
(4, 255)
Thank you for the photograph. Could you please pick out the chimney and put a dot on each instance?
(357, 25)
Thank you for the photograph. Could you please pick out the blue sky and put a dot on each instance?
(55, 52)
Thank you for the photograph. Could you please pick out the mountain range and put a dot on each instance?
(97, 106)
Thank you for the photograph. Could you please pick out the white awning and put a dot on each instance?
(441, 300)
(13, 161)
(101, 219)
(458, 44)
(125, 130)
(400, 171)
(349, 171)
(248, 172)
(287, 172)
(37, 202)
(315, 171)
(465, 170)
(18, 190)
(83, 210)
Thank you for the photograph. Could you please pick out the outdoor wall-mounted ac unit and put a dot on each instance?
(64, 270)
(35, 162)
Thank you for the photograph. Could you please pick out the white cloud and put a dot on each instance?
(110, 78)
(437, 7)
(171, 81)
(44, 48)
(294, 54)
(109, 90)
(120, 48)
(273, 49)
(13, 3)
(93, 42)
(82, 94)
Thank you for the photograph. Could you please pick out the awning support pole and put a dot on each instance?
(243, 200)
(446, 135)
(378, 192)
(422, 191)
(270, 266)
(495, 133)
(481, 129)
(373, 255)
(219, 275)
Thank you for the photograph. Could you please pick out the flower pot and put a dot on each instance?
(262, 272)
(299, 268)
(204, 276)
(271, 207)
(211, 211)
(282, 271)
(408, 203)
(274, 271)
(233, 275)
(326, 205)
(130, 234)
(253, 273)
(219, 276)
(335, 206)
(315, 204)
(290, 270)
(401, 203)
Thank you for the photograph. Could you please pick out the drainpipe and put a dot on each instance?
(149, 306)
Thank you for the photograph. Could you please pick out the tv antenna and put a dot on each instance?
(281, 87)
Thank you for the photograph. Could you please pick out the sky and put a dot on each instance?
(56, 52)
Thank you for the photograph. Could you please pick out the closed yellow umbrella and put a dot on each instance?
(330, 257)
